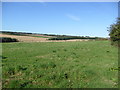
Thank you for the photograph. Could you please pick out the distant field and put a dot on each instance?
(25, 38)
(59, 65)
(36, 38)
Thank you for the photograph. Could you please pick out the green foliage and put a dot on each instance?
(71, 37)
(115, 33)
(7, 39)
(15, 33)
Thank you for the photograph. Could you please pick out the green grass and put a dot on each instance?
(59, 65)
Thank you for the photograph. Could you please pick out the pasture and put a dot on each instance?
(59, 65)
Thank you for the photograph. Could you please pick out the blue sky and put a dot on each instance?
(68, 18)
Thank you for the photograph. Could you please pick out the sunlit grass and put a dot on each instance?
(59, 65)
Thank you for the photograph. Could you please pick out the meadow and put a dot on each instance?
(59, 65)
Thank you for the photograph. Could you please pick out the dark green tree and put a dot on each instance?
(115, 33)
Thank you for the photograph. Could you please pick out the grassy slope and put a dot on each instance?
(60, 64)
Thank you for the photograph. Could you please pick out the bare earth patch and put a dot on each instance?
(37, 39)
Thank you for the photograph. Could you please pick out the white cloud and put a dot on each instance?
(73, 17)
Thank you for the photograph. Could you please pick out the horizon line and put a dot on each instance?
(53, 33)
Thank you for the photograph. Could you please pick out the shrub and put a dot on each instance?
(115, 33)
(7, 39)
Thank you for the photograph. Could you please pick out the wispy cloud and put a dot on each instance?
(43, 2)
(73, 17)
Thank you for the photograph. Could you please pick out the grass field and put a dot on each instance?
(59, 65)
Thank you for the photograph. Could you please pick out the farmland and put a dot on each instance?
(35, 37)
(59, 65)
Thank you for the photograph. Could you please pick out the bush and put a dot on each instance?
(7, 39)
(115, 33)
